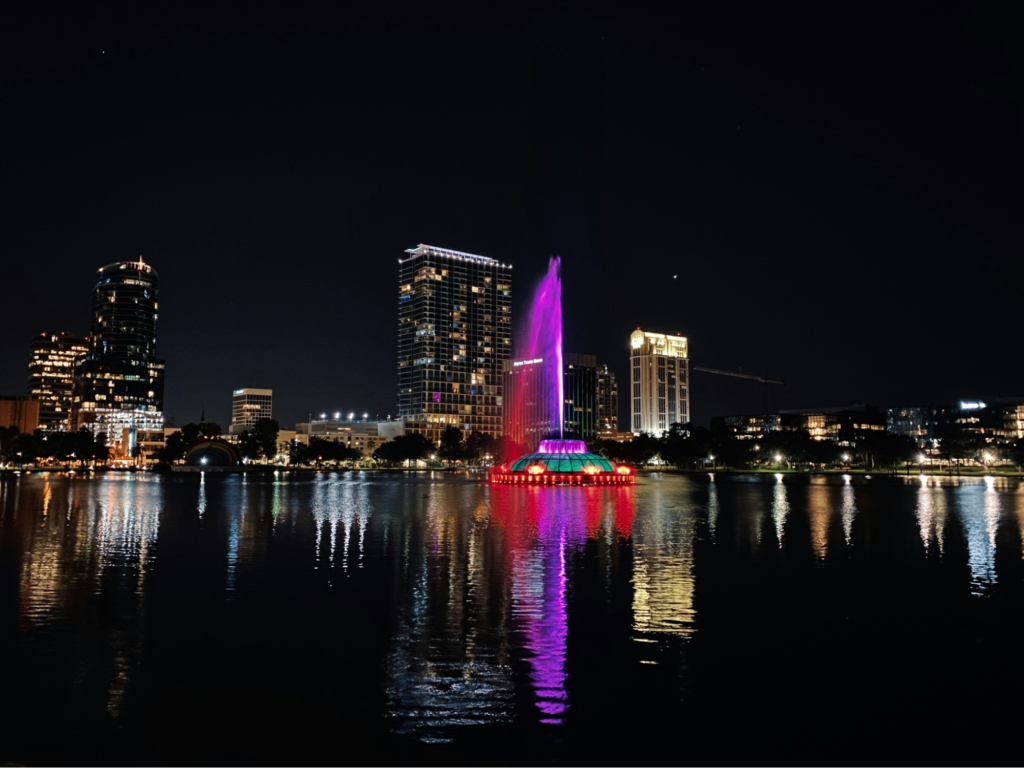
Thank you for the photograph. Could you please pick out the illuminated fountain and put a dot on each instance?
(534, 403)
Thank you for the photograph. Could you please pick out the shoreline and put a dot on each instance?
(641, 472)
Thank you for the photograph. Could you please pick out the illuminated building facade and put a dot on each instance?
(659, 380)
(249, 406)
(119, 383)
(51, 377)
(580, 394)
(529, 414)
(607, 400)
(19, 412)
(454, 335)
(845, 426)
(994, 419)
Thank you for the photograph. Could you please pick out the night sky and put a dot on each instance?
(838, 191)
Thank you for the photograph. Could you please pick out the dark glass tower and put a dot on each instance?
(119, 384)
(580, 388)
(454, 333)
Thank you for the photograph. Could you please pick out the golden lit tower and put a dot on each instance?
(659, 379)
(51, 377)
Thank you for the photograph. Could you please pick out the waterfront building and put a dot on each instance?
(580, 377)
(249, 406)
(51, 377)
(844, 426)
(19, 412)
(659, 382)
(366, 436)
(747, 427)
(993, 419)
(119, 383)
(607, 400)
(530, 413)
(454, 335)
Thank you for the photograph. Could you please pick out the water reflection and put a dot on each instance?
(339, 503)
(819, 512)
(493, 605)
(931, 513)
(663, 577)
(780, 509)
(979, 510)
(849, 509)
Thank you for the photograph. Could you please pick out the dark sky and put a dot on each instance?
(838, 191)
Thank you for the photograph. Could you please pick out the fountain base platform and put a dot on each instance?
(563, 462)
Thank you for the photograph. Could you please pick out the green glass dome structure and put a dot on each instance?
(563, 462)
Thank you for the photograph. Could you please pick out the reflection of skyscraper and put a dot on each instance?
(659, 378)
(51, 377)
(454, 333)
(119, 384)
(663, 571)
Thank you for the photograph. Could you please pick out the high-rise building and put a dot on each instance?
(607, 400)
(51, 377)
(248, 406)
(659, 379)
(454, 334)
(119, 383)
(530, 412)
(580, 392)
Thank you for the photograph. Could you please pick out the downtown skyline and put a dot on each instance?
(848, 229)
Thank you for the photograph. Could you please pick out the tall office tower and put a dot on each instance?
(119, 384)
(580, 391)
(607, 400)
(454, 334)
(659, 374)
(51, 377)
(530, 413)
(249, 405)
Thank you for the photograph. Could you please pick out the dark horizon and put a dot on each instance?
(839, 197)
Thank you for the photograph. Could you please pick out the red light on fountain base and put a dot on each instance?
(562, 462)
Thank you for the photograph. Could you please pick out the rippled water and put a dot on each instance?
(378, 618)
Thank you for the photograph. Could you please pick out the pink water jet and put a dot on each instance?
(540, 338)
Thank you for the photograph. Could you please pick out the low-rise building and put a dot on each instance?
(20, 412)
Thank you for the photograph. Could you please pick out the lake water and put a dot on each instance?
(429, 618)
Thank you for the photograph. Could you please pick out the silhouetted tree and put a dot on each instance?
(453, 447)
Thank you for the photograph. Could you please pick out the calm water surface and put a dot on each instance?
(374, 618)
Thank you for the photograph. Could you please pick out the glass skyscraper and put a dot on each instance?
(454, 333)
(119, 384)
(580, 388)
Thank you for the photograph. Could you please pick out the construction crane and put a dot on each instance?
(765, 381)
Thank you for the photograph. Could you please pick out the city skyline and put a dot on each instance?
(811, 222)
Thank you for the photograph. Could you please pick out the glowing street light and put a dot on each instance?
(351, 416)
(846, 457)
(366, 415)
(778, 457)
(337, 414)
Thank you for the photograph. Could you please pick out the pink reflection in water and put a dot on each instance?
(543, 526)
